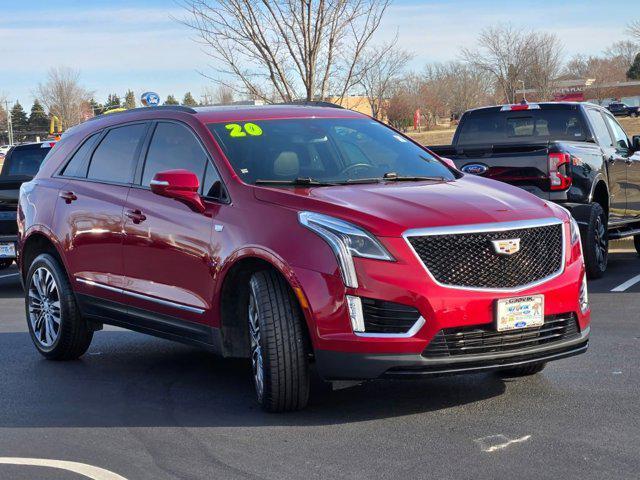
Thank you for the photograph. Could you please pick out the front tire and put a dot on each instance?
(523, 371)
(278, 347)
(595, 241)
(57, 329)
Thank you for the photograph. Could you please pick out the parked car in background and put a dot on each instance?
(20, 165)
(295, 236)
(620, 109)
(574, 154)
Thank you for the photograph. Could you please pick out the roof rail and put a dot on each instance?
(175, 108)
(312, 103)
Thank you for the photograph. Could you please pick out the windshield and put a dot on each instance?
(24, 160)
(330, 150)
(525, 126)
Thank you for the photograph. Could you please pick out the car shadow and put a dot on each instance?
(130, 380)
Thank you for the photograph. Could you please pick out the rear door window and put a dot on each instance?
(600, 129)
(115, 158)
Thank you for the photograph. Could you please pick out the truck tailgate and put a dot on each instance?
(525, 166)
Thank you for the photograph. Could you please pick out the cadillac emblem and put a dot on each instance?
(506, 247)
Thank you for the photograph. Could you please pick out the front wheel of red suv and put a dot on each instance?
(278, 348)
(57, 329)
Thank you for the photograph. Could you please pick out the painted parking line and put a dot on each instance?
(626, 285)
(89, 471)
(9, 275)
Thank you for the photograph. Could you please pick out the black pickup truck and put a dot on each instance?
(20, 165)
(574, 154)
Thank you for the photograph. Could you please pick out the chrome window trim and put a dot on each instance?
(408, 334)
(487, 228)
(159, 301)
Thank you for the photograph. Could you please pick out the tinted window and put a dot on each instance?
(173, 146)
(599, 128)
(492, 126)
(622, 142)
(77, 165)
(114, 159)
(25, 160)
(212, 185)
(325, 149)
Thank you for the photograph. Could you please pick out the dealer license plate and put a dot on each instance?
(520, 312)
(7, 250)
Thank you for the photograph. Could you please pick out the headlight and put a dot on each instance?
(347, 241)
(575, 231)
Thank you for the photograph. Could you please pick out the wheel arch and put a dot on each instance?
(39, 240)
(233, 297)
(600, 194)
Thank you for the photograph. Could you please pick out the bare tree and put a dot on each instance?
(511, 55)
(384, 65)
(403, 102)
(64, 96)
(634, 29)
(604, 73)
(625, 50)
(295, 48)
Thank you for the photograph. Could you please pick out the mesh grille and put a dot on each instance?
(470, 260)
(388, 317)
(481, 340)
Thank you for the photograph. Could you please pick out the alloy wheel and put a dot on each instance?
(256, 349)
(601, 243)
(44, 307)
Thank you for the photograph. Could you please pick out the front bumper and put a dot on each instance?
(334, 365)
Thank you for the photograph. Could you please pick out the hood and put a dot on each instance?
(391, 208)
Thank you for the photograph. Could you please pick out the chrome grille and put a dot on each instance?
(469, 259)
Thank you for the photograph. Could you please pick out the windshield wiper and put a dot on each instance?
(303, 181)
(394, 177)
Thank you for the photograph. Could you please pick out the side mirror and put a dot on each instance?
(449, 162)
(181, 185)
(635, 142)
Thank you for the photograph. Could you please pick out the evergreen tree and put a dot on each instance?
(129, 100)
(171, 100)
(188, 100)
(19, 120)
(38, 119)
(634, 70)
(96, 107)
(113, 101)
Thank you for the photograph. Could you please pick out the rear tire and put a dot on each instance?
(523, 371)
(278, 347)
(57, 329)
(595, 241)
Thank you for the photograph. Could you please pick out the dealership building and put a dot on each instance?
(587, 90)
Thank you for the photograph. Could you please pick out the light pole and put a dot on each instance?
(524, 95)
(9, 122)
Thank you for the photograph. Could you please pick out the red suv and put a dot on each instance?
(295, 236)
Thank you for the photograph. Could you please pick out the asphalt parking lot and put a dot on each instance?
(146, 408)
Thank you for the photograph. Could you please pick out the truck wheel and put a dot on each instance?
(278, 349)
(636, 242)
(523, 371)
(57, 329)
(595, 241)
(4, 264)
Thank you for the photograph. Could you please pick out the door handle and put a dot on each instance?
(68, 197)
(136, 216)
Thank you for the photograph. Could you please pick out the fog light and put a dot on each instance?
(355, 313)
(584, 295)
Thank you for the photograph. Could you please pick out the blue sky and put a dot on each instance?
(136, 44)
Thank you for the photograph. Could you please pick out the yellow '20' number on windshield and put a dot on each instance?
(236, 130)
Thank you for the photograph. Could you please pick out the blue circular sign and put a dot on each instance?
(475, 168)
(150, 99)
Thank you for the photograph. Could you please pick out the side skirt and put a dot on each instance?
(143, 321)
